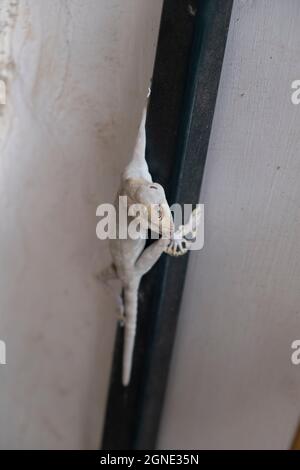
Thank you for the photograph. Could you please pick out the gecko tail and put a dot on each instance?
(130, 300)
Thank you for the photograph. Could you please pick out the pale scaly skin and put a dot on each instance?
(185, 235)
(130, 258)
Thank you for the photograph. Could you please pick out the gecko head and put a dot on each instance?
(157, 214)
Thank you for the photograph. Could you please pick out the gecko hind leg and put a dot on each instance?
(105, 276)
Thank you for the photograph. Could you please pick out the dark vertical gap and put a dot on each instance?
(185, 83)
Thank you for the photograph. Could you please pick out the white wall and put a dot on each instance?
(78, 74)
(232, 384)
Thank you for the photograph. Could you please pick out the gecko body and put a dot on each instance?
(131, 260)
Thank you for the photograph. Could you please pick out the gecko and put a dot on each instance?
(131, 260)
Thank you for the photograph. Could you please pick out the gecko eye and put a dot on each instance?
(153, 187)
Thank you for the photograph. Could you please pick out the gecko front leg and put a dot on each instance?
(185, 236)
(150, 255)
